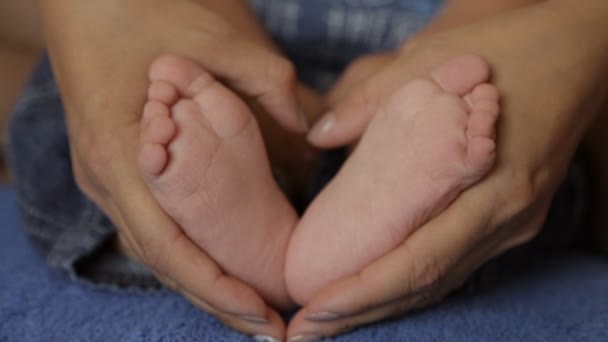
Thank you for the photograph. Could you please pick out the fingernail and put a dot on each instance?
(264, 338)
(324, 316)
(323, 126)
(305, 338)
(253, 319)
(304, 120)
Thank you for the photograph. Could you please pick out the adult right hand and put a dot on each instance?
(100, 53)
(549, 63)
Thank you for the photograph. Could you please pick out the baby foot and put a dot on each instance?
(429, 142)
(203, 159)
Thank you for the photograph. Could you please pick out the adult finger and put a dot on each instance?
(435, 260)
(350, 116)
(270, 326)
(330, 324)
(357, 73)
(412, 275)
(414, 300)
(273, 326)
(249, 67)
(160, 244)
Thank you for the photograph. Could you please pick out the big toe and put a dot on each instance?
(462, 74)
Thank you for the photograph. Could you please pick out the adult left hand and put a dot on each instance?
(546, 109)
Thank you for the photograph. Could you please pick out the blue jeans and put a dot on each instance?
(321, 37)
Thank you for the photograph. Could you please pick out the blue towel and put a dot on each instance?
(563, 299)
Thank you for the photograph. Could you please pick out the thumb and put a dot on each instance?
(353, 99)
(350, 117)
(351, 113)
(346, 122)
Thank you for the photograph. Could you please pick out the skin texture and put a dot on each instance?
(87, 44)
(433, 139)
(203, 157)
(536, 139)
(525, 47)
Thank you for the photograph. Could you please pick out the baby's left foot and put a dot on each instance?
(422, 149)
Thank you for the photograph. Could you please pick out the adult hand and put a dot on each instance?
(549, 65)
(100, 53)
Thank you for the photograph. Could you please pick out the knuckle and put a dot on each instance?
(526, 205)
(519, 197)
(525, 188)
(281, 71)
(525, 232)
(523, 210)
(522, 196)
(526, 235)
(430, 275)
(368, 101)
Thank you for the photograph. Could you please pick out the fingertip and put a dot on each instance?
(322, 129)
(299, 326)
(247, 303)
(345, 122)
(272, 327)
(337, 129)
(271, 330)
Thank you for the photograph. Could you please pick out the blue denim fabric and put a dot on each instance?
(558, 298)
(320, 36)
(63, 224)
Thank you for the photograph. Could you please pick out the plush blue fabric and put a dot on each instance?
(563, 299)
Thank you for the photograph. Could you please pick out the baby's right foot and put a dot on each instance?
(203, 158)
